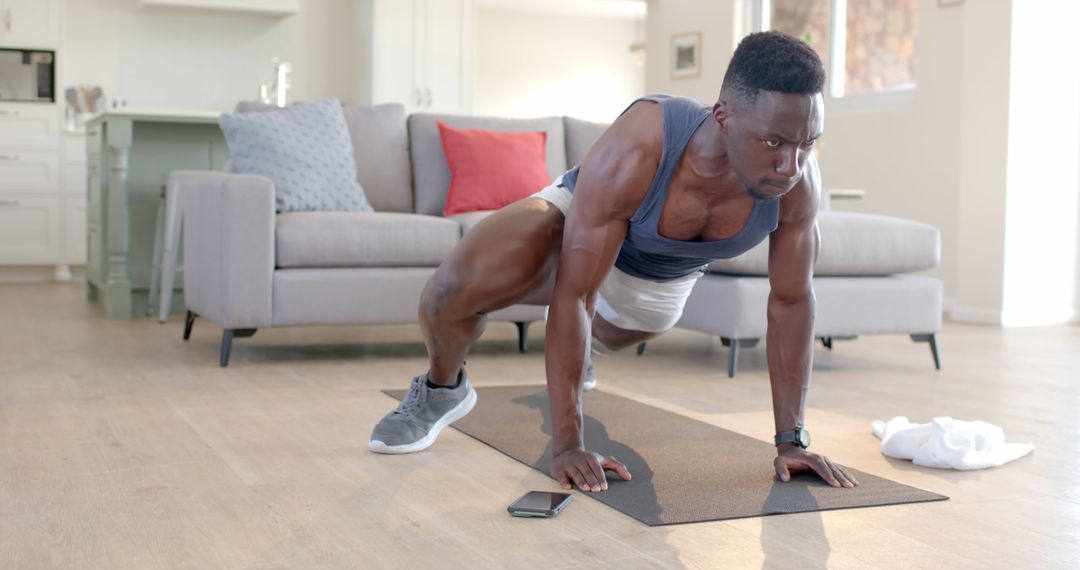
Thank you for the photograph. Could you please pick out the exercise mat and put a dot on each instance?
(683, 470)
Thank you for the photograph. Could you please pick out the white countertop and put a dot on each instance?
(160, 112)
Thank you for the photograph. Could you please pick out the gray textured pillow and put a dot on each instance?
(304, 149)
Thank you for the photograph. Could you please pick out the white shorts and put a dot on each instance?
(628, 302)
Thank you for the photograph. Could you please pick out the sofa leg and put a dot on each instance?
(226, 342)
(523, 335)
(932, 339)
(734, 344)
(189, 321)
(827, 342)
(641, 348)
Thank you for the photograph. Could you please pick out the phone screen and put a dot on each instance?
(540, 501)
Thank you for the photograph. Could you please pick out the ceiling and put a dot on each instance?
(632, 9)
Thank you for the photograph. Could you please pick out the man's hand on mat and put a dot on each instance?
(791, 460)
(586, 470)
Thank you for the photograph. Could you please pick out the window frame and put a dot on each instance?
(758, 14)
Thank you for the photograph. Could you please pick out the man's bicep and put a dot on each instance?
(792, 252)
(590, 246)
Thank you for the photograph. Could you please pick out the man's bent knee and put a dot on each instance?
(444, 297)
(616, 338)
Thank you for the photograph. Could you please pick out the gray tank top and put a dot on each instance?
(648, 255)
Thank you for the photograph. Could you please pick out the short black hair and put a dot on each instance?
(774, 61)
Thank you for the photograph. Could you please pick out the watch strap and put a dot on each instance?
(798, 436)
(785, 437)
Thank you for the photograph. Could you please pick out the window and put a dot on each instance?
(870, 57)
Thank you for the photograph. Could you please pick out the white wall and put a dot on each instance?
(532, 64)
(717, 20)
(203, 59)
(984, 40)
(1076, 279)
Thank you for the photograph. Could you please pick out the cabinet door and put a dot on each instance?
(28, 125)
(29, 230)
(393, 53)
(30, 22)
(30, 171)
(444, 55)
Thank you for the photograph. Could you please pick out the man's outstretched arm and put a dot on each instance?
(793, 249)
(611, 184)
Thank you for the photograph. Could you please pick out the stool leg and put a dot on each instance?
(189, 320)
(171, 248)
(155, 265)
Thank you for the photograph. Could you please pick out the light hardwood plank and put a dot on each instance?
(127, 448)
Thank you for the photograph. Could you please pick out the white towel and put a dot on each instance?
(946, 443)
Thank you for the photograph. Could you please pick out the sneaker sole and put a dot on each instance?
(458, 412)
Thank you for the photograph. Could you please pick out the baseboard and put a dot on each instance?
(42, 273)
(975, 315)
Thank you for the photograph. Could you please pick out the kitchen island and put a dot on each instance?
(130, 151)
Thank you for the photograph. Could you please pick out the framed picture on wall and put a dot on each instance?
(686, 55)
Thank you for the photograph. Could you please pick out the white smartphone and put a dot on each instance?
(539, 504)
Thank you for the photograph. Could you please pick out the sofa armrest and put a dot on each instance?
(228, 246)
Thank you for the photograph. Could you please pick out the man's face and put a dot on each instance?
(769, 140)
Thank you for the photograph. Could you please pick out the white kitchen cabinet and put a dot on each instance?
(29, 23)
(30, 230)
(421, 53)
(29, 125)
(36, 220)
(29, 171)
(31, 213)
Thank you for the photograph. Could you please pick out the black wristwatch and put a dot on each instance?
(799, 436)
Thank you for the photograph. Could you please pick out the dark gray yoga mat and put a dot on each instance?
(683, 470)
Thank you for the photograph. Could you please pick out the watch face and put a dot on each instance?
(802, 437)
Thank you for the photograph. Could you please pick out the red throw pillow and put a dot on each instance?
(490, 169)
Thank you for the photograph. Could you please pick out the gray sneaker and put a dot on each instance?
(589, 382)
(422, 414)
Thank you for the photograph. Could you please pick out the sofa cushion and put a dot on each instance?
(855, 244)
(489, 169)
(580, 136)
(381, 149)
(431, 174)
(304, 149)
(363, 239)
(468, 220)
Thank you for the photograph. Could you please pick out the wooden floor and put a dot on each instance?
(124, 447)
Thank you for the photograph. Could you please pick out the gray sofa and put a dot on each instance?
(248, 268)
(865, 282)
